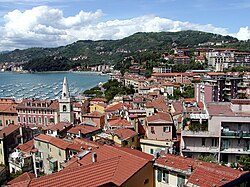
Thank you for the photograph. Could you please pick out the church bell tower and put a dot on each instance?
(65, 104)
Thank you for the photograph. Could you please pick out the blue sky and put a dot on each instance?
(47, 23)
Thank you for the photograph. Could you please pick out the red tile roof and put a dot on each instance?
(123, 133)
(84, 129)
(8, 130)
(204, 174)
(113, 166)
(99, 99)
(94, 114)
(160, 118)
(119, 123)
(59, 126)
(8, 108)
(25, 177)
(115, 107)
(62, 144)
(26, 147)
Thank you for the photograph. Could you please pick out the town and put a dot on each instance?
(178, 129)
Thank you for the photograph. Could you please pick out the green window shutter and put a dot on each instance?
(159, 175)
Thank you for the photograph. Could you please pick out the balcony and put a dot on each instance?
(198, 133)
(235, 150)
(200, 149)
(236, 134)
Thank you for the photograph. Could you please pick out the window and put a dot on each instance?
(133, 139)
(142, 122)
(151, 151)
(39, 111)
(1, 151)
(45, 111)
(159, 175)
(51, 120)
(29, 111)
(39, 120)
(214, 142)
(203, 141)
(45, 120)
(64, 108)
(165, 175)
(34, 111)
(59, 152)
(181, 180)
(29, 119)
(6, 122)
(152, 130)
(23, 111)
(51, 112)
(39, 143)
(47, 145)
(238, 142)
(166, 129)
(146, 181)
(0, 122)
(24, 120)
(34, 119)
(18, 119)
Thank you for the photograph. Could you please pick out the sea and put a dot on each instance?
(46, 85)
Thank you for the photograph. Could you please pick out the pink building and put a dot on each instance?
(160, 127)
(95, 117)
(37, 112)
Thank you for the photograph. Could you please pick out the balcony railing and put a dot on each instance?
(197, 133)
(236, 133)
(243, 150)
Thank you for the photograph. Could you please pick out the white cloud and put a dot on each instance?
(243, 34)
(43, 26)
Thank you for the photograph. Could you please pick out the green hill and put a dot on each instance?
(89, 52)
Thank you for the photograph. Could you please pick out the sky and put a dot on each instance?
(52, 23)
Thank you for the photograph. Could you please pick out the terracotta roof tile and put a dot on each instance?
(23, 178)
(59, 126)
(119, 123)
(84, 129)
(160, 118)
(113, 166)
(204, 174)
(93, 114)
(8, 130)
(123, 133)
(26, 147)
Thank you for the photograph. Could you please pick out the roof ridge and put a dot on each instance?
(118, 162)
(120, 149)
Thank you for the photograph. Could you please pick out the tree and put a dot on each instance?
(209, 158)
(245, 162)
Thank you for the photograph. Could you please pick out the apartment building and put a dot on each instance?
(224, 132)
(173, 170)
(37, 112)
(221, 89)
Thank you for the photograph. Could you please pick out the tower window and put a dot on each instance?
(64, 94)
(64, 108)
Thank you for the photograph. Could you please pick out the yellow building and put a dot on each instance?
(122, 137)
(99, 107)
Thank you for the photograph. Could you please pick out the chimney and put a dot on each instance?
(94, 157)
(190, 169)
(79, 133)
